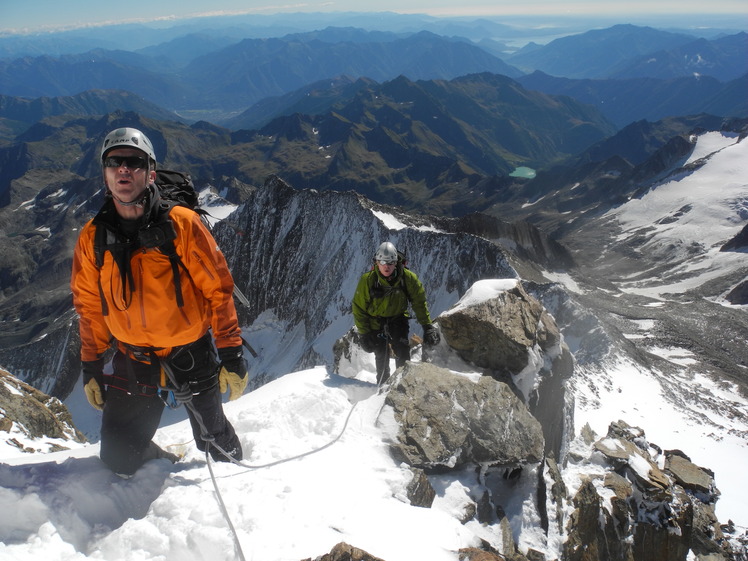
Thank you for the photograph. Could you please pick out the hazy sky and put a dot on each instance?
(31, 15)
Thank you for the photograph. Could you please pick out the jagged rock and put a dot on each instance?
(485, 510)
(512, 338)
(619, 502)
(707, 538)
(345, 552)
(35, 413)
(559, 492)
(588, 434)
(663, 532)
(534, 555)
(474, 554)
(509, 547)
(625, 453)
(688, 475)
(641, 513)
(498, 333)
(592, 534)
(469, 512)
(419, 490)
(444, 419)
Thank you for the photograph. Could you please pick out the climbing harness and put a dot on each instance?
(386, 362)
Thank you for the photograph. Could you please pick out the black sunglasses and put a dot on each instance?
(131, 162)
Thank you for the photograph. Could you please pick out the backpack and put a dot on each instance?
(177, 187)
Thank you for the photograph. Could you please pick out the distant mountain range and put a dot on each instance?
(241, 74)
(414, 144)
(624, 101)
(628, 51)
(212, 76)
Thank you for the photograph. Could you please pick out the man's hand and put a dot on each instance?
(233, 374)
(93, 382)
(431, 335)
(369, 341)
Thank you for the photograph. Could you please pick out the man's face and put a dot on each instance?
(127, 180)
(387, 267)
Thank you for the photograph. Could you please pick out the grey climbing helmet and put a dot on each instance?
(127, 137)
(386, 252)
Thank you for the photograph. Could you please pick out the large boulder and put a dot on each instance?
(499, 333)
(507, 334)
(443, 419)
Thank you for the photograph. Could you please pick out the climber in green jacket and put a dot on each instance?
(380, 309)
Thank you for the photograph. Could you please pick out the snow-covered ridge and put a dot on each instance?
(688, 217)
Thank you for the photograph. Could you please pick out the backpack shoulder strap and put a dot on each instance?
(99, 244)
(165, 226)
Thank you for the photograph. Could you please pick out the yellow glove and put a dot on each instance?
(93, 394)
(232, 380)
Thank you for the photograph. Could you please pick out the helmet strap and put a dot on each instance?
(140, 201)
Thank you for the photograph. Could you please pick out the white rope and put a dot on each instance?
(219, 498)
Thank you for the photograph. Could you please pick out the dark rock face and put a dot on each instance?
(447, 420)
(738, 295)
(738, 243)
(420, 492)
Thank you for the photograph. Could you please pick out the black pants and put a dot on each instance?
(130, 420)
(399, 348)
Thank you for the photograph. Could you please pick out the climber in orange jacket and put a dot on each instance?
(149, 281)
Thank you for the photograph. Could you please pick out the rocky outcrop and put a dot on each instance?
(345, 552)
(446, 420)
(635, 510)
(496, 403)
(513, 339)
(29, 414)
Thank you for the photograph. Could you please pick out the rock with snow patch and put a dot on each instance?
(446, 420)
(345, 552)
(688, 475)
(498, 333)
(514, 339)
(34, 415)
(636, 511)
(592, 533)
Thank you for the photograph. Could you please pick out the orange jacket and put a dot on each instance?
(151, 317)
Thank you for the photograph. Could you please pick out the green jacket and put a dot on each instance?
(376, 298)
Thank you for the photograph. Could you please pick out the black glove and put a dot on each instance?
(232, 359)
(233, 373)
(93, 382)
(431, 335)
(369, 341)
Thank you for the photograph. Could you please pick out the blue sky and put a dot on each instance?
(38, 15)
